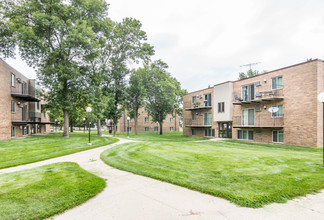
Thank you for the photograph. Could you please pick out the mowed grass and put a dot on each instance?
(36, 148)
(250, 175)
(175, 136)
(45, 191)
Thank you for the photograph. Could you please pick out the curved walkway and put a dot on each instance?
(130, 196)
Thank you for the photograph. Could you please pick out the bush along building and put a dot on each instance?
(20, 106)
(145, 123)
(240, 109)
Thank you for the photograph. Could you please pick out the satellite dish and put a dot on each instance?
(273, 109)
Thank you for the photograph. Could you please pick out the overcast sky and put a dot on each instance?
(205, 42)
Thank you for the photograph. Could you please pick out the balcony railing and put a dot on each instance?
(26, 92)
(261, 93)
(189, 106)
(260, 121)
(197, 123)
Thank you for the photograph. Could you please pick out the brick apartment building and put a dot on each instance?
(245, 104)
(20, 106)
(145, 123)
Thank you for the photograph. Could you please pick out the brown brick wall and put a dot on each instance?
(7, 117)
(141, 124)
(300, 106)
(187, 114)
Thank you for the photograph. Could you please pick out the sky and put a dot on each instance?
(206, 42)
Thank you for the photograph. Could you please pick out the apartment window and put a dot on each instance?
(278, 136)
(25, 130)
(39, 129)
(32, 129)
(221, 107)
(171, 128)
(248, 92)
(146, 119)
(156, 129)
(245, 135)
(37, 105)
(13, 131)
(207, 100)
(194, 116)
(13, 106)
(129, 129)
(193, 131)
(209, 132)
(207, 119)
(194, 99)
(279, 113)
(171, 119)
(23, 87)
(248, 117)
(277, 82)
(12, 79)
(147, 129)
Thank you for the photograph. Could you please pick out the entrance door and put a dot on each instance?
(225, 129)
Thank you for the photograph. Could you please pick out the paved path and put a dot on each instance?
(129, 196)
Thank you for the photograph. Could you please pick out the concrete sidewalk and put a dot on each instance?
(129, 196)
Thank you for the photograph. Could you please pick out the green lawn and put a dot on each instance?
(28, 150)
(248, 174)
(45, 191)
(175, 136)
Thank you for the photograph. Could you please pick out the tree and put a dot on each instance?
(162, 91)
(126, 45)
(135, 94)
(249, 73)
(52, 36)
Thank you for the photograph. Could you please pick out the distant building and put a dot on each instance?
(145, 123)
(20, 106)
(240, 109)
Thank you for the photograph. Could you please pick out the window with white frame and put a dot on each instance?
(207, 118)
(12, 79)
(278, 136)
(146, 119)
(194, 99)
(147, 129)
(248, 92)
(248, 117)
(209, 132)
(13, 106)
(221, 107)
(279, 113)
(171, 128)
(13, 131)
(245, 134)
(171, 119)
(277, 82)
(129, 129)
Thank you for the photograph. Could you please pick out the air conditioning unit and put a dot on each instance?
(258, 109)
(258, 94)
(258, 83)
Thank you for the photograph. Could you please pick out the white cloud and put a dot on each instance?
(205, 42)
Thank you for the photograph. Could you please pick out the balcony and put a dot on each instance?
(259, 121)
(188, 106)
(198, 123)
(261, 94)
(26, 93)
(20, 118)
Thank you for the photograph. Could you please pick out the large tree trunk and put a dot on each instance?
(161, 125)
(135, 119)
(66, 124)
(71, 126)
(99, 127)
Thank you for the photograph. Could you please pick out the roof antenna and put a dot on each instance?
(250, 65)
